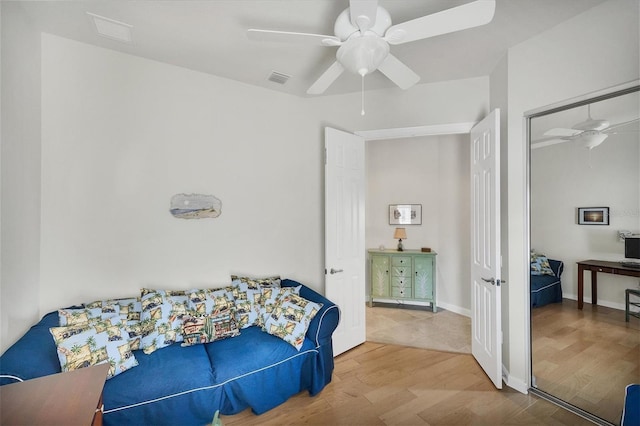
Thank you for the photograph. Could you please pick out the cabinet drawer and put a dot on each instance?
(401, 261)
(401, 271)
(602, 269)
(401, 291)
(401, 282)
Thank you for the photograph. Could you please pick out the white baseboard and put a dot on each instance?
(455, 309)
(452, 308)
(400, 302)
(513, 382)
(606, 303)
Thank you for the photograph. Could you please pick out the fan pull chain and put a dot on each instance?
(362, 112)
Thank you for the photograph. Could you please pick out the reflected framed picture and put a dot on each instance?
(593, 215)
(405, 214)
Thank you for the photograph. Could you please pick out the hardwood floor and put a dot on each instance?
(586, 357)
(394, 384)
(381, 384)
(420, 328)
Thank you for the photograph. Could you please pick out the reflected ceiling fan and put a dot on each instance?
(590, 133)
(363, 33)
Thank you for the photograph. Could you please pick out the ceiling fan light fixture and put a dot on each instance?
(591, 139)
(363, 55)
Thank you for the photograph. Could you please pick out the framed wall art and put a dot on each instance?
(405, 214)
(195, 206)
(593, 215)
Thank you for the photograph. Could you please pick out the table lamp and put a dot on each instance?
(400, 234)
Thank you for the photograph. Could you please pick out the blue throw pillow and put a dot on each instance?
(540, 265)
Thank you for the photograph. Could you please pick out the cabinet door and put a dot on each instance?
(380, 276)
(423, 277)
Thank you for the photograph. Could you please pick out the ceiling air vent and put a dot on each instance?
(278, 77)
(111, 28)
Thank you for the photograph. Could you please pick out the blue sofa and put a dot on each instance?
(547, 289)
(186, 385)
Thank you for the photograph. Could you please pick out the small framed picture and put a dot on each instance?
(593, 215)
(405, 214)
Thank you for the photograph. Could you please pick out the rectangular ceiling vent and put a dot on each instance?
(278, 77)
(112, 29)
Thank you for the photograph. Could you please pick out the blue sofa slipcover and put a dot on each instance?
(186, 385)
(547, 289)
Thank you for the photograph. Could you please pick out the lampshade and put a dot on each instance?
(592, 139)
(363, 55)
(400, 233)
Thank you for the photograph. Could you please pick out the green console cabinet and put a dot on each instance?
(408, 275)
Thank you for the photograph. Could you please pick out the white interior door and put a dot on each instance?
(344, 235)
(486, 330)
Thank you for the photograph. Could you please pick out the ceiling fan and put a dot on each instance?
(590, 133)
(363, 33)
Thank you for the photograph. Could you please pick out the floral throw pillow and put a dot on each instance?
(257, 283)
(86, 315)
(211, 301)
(540, 265)
(248, 297)
(61, 333)
(270, 298)
(161, 318)
(290, 319)
(208, 328)
(92, 348)
(247, 305)
(129, 308)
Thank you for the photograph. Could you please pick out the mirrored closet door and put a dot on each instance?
(584, 201)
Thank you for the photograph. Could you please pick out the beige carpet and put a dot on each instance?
(419, 328)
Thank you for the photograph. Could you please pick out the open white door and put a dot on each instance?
(344, 235)
(486, 330)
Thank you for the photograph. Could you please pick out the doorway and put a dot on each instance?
(431, 171)
(485, 202)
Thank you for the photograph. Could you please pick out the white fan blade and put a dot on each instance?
(289, 37)
(459, 18)
(546, 142)
(363, 13)
(562, 132)
(325, 80)
(398, 72)
(624, 123)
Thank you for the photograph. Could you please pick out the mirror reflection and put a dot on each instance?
(585, 202)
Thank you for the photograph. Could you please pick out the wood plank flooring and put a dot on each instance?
(419, 327)
(586, 357)
(394, 384)
(381, 384)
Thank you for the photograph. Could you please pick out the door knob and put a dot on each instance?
(335, 271)
(492, 281)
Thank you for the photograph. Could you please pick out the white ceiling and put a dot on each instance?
(210, 36)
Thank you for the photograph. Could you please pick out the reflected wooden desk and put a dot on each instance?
(604, 267)
(73, 398)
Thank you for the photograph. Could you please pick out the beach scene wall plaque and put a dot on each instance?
(195, 206)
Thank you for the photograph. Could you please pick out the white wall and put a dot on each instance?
(455, 101)
(20, 229)
(121, 135)
(434, 172)
(558, 64)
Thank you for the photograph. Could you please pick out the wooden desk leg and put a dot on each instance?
(594, 288)
(580, 286)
